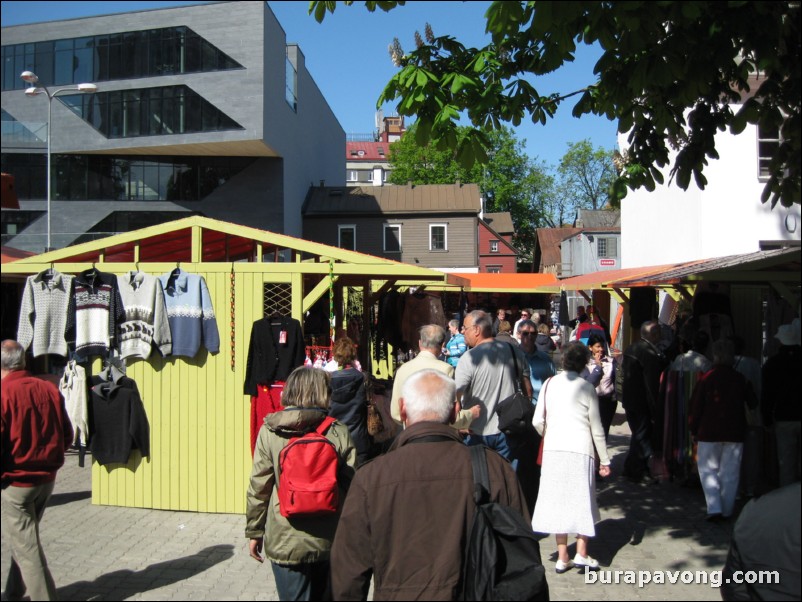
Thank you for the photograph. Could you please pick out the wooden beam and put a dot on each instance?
(588, 298)
(316, 293)
(620, 295)
(786, 293)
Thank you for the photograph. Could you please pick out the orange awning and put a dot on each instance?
(611, 278)
(505, 283)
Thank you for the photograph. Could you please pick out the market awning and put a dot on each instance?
(614, 278)
(505, 283)
(775, 265)
(11, 254)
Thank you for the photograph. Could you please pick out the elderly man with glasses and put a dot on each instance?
(486, 375)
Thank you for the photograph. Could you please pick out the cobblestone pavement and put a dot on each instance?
(111, 553)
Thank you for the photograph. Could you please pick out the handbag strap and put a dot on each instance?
(481, 476)
(545, 391)
(517, 383)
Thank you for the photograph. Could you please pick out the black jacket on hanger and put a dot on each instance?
(269, 359)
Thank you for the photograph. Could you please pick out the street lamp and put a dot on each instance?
(39, 88)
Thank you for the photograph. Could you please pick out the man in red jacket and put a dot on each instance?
(35, 434)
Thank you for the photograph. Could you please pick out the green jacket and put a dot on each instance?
(302, 540)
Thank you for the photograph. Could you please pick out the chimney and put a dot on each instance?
(322, 183)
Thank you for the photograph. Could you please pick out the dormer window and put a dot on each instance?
(361, 153)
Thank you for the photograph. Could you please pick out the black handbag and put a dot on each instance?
(515, 412)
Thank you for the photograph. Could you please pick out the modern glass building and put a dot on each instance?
(203, 109)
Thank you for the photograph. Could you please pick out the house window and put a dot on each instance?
(494, 246)
(607, 247)
(494, 269)
(346, 238)
(768, 141)
(392, 238)
(365, 175)
(438, 237)
(352, 175)
(385, 173)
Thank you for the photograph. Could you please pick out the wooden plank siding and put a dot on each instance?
(199, 418)
(462, 235)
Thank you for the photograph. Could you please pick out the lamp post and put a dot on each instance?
(39, 88)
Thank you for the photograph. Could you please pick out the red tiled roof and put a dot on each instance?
(370, 151)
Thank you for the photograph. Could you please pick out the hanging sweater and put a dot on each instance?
(119, 421)
(43, 313)
(190, 313)
(94, 313)
(145, 323)
(73, 387)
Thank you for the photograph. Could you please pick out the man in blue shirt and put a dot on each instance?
(456, 346)
(540, 365)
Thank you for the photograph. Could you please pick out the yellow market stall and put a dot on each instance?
(199, 417)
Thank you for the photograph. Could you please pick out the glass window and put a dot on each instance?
(494, 269)
(607, 247)
(494, 246)
(347, 237)
(291, 84)
(438, 237)
(351, 175)
(115, 56)
(392, 238)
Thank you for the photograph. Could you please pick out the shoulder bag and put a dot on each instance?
(515, 412)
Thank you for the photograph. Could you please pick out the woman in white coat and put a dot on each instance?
(567, 415)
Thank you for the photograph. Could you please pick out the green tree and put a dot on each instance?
(670, 74)
(509, 180)
(586, 176)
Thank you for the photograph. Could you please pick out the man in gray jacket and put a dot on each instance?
(409, 512)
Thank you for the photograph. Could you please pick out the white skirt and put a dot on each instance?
(566, 502)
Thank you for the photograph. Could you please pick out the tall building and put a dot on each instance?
(367, 156)
(202, 109)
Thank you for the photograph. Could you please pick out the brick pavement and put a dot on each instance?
(111, 553)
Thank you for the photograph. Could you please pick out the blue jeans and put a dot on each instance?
(302, 581)
(497, 443)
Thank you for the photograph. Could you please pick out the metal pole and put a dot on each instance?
(49, 192)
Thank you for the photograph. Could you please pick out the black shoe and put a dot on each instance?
(715, 518)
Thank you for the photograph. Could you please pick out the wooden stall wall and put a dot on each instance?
(199, 418)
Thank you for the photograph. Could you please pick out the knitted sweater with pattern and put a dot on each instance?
(43, 313)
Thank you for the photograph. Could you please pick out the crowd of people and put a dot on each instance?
(364, 521)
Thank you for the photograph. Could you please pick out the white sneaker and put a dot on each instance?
(586, 562)
(564, 566)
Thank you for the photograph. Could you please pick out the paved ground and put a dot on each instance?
(110, 553)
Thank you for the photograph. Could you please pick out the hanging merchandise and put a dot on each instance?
(190, 313)
(276, 348)
(94, 313)
(73, 387)
(119, 421)
(420, 309)
(145, 323)
(43, 314)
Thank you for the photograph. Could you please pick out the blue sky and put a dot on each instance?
(347, 57)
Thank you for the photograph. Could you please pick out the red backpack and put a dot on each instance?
(308, 481)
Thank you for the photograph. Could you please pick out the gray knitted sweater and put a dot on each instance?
(43, 314)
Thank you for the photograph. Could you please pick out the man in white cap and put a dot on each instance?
(781, 392)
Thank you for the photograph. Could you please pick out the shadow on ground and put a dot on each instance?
(119, 585)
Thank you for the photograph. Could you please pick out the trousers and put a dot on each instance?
(720, 472)
(22, 510)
